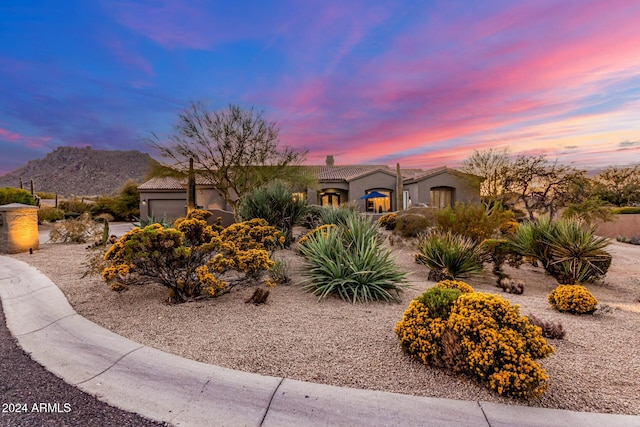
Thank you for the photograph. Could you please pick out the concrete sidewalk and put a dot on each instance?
(183, 392)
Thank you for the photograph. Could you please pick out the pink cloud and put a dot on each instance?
(409, 99)
(130, 58)
(28, 141)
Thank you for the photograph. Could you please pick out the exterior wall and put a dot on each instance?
(465, 190)
(176, 199)
(18, 228)
(209, 198)
(627, 225)
(375, 181)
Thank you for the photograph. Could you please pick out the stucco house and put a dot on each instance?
(336, 184)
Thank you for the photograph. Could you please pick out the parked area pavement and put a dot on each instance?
(182, 392)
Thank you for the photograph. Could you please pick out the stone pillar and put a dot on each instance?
(18, 228)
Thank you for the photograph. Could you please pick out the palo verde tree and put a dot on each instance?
(235, 149)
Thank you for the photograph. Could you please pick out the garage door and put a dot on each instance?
(172, 208)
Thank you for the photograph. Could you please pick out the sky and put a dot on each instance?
(421, 83)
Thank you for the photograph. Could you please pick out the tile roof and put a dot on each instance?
(170, 183)
(345, 172)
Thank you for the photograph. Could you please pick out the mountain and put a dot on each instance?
(73, 171)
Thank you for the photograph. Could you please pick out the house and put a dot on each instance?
(337, 184)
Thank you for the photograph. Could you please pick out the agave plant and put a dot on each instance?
(350, 261)
(151, 219)
(449, 255)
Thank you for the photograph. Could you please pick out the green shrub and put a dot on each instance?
(49, 214)
(481, 335)
(438, 300)
(46, 195)
(388, 221)
(574, 299)
(449, 255)
(351, 262)
(626, 210)
(472, 220)
(411, 225)
(568, 250)
(276, 205)
(75, 205)
(15, 195)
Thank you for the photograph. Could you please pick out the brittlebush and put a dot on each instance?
(455, 284)
(493, 342)
(193, 259)
(572, 299)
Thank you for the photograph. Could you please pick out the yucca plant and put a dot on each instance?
(350, 261)
(568, 249)
(276, 205)
(339, 216)
(577, 254)
(449, 255)
(528, 240)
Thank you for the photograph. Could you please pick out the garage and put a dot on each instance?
(171, 208)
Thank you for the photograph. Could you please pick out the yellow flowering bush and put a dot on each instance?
(253, 234)
(500, 344)
(388, 221)
(481, 335)
(192, 259)
(573, 299)
(419, 333)
(455, 284)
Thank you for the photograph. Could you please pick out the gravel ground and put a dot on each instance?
(596, 367)
(24, 383)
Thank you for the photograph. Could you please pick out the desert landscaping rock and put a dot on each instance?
(596, 367)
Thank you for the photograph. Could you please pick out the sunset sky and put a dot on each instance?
(423, 83)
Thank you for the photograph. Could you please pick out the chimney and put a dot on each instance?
(329, 160)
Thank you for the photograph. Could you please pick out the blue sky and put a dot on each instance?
(423, 83)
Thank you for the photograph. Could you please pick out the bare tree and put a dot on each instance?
(492, 165)
(236, 149)
(542, 186)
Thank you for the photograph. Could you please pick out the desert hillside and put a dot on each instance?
(73, 171)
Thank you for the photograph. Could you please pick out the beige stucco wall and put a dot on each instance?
(465, 190)
(177, 199)
(374, 181)
(623, 225)
(18, 228)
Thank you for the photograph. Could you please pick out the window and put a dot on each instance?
(298, 196)
(441, 197)
(379, 204)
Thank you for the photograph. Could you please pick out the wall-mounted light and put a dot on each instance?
(144, 201)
